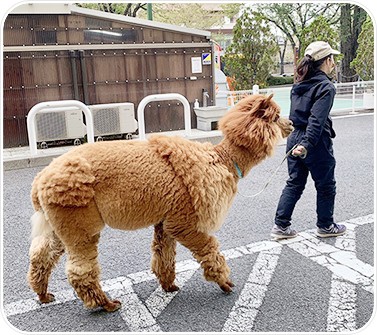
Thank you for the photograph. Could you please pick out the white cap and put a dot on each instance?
(319, 49)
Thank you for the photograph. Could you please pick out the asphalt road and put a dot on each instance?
(309, 285)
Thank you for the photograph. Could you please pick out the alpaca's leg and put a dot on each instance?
(45, 251)
(83, 273)
(163, 258)
(79, 229)
(205, 249)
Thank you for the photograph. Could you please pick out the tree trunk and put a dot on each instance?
(282, 56)
(351, 20)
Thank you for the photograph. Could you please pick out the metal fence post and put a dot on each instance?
(49, 106)
(353, 98)
(163, 97)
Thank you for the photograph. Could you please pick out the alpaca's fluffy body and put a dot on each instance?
(183, 188)
(138, 184)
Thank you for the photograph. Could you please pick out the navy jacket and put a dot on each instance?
(311, 102)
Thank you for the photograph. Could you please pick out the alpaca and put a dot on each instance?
(183, 188)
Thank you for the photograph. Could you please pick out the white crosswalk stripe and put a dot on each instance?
(348, 272)
(159, 299)
(243, 313)
(341, 314)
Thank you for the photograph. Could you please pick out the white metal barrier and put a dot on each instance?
(44, 107)
(163, 97)
(349, 96)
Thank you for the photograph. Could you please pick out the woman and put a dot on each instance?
(312, 97)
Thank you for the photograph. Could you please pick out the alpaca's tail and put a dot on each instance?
(34, 193)
(39, 225)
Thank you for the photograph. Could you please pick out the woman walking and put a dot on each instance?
(312, 97)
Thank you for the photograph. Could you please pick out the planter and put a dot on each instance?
(207, 117)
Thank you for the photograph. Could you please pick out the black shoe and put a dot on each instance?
(332, 231)
(279, 232)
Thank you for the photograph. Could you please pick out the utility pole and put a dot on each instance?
(149, 11)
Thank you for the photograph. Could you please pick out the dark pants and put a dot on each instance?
(320, 162)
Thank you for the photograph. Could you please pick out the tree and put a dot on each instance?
(293, 18)
(282, 54)
(231, 9)
(363, 64)
(127, 9)
(318, 30)
(250, 57)
(191, 15)
(352, 18)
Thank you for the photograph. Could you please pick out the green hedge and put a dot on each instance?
(276, 81)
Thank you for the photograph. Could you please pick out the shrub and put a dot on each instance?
(276, 81)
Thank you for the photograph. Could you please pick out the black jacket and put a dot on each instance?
(311, 102)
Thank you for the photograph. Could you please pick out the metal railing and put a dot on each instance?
(163, 97)
(50, 106)
(67, 105)
(349, 96)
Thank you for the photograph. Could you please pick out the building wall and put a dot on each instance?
(94, 60)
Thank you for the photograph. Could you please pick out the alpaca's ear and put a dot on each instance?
(267, 101)
(268, 110)
(247, 124)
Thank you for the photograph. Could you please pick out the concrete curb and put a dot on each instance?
(22, 163)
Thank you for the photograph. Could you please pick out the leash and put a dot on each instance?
(272, 176)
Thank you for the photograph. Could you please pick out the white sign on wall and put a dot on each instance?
(196, 65)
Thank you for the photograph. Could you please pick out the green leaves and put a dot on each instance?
(363, 64)
(251, 56)
(318, 30)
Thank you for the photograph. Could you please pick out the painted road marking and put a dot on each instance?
(133, 311)
(159, 299)
(341, 315)
(245, 310)
(347, 272)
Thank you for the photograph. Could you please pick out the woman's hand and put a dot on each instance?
(300, 151)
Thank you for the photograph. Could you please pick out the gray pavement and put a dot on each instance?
(308, 285)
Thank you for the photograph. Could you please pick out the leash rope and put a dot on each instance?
(272, 176)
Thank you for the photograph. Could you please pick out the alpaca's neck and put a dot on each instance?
(236, 158)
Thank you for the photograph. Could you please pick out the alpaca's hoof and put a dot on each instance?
(227, 287)
(171, 288)
(46, 298)
(112, 306)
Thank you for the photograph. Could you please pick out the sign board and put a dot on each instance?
(206, 58)
(196, 65)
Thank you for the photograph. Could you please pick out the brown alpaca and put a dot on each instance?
(181, 187)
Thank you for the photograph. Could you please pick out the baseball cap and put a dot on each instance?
(320, 49)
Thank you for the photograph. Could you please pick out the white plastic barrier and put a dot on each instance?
(163, 97)
(44, 107)
(221, 87)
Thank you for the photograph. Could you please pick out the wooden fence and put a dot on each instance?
(96, 68)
